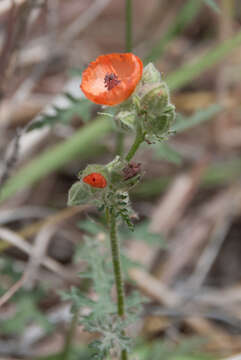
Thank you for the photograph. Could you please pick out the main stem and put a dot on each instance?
(140, 137)
(115, 250)
(70, 335)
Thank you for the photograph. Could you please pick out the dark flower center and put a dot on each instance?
(111, 80)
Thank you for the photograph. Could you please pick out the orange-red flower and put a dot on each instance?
(96, 180)
(112, 78)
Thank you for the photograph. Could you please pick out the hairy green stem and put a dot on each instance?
(70, 335)
(120, 143)
(140, 137)
(111, 218)
(115, 250)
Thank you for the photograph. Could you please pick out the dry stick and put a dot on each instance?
(36, 258)
(18, 22)
(210, 253)
(191, 237)
(39, 250)
(53, 47)
(158, 291)
(20, 243)
(6, 5)
(12, 290)
(11, 160)
(52, 220)
(221, 125)
(17, 26)
(84, 20)
(8, 45)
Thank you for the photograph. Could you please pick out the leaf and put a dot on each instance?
(76, 296)
(76, 106)
(26, 312)
(78, 194)
(212, 4)
(199, 117)
(222, 173)
(166, 152)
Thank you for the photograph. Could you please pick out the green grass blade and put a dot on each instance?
(196, 119)
(166, 152)
(128, 24)
(216, 175)
(213, 5)
(54, 158)
(186, 16)
(189, 72)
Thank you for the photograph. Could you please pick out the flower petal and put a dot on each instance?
(96, 180)
(125, 68)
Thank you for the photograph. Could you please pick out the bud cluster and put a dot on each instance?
(97, 182)
(149, 113)
(149, 108)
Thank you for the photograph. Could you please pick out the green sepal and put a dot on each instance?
(94, 168)
(159, 125)
(156, 97)
(115, 171)
(126, 120)
(78, 194)
(150, 74)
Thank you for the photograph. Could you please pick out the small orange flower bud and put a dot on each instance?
(112, 78)
(96, 180)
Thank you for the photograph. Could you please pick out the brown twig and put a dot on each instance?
(48, 262)
(12, 290)
(11, 160)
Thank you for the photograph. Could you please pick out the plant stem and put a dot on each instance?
(128, 25)
(140, 136)
(111, 218)
(70, 335)
(119, 143)
(128, 48)
(115, 250)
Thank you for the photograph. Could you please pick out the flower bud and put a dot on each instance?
(150, 74)
(155, 99)
(94, 168)
(158, 126)
(126, 119)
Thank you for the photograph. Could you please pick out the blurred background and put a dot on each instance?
(185, 252)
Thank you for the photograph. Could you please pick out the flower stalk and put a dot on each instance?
(70, 335)
(140, 137)
(115, 251)
(111, 80)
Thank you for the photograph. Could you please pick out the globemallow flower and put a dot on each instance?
(111, 78)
